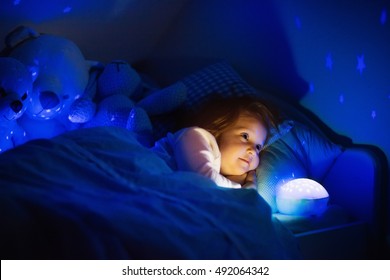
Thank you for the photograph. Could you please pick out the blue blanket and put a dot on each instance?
(97, 193)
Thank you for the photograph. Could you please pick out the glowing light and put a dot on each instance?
(16, 2)
(361, 65)
(373, 114)
(303, 197)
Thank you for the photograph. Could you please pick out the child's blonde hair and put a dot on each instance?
(219, 114)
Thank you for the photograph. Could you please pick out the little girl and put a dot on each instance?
(222, 141)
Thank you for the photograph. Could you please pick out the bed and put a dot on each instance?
(101, 193)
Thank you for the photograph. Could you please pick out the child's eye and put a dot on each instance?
(258, 147)
(245, 136)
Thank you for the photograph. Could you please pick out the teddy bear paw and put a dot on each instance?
(82, 110)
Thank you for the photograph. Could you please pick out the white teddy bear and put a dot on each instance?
(15, 88)
(122, 100)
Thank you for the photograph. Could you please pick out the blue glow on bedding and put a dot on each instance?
(99, 194)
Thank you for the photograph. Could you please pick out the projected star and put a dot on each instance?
(383, 17)
(361, 65)
(341, 98)
(298, 23)
(311, 87)
(67, 10)
(329, 61)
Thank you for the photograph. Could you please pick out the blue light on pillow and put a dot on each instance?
(302, 197)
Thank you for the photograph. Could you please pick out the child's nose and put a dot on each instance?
(251, 149)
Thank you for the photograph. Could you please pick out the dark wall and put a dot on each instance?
(104, 30)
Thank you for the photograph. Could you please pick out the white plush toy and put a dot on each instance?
(122, 101)
(70, 92)
(15, 88)
(59, 73)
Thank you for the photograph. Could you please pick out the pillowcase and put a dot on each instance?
(216, 79)
(299, 152)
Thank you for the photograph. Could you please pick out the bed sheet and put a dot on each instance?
(97, 193)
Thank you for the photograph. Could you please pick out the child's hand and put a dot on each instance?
(240, 179)
(250, 180)
(246, 180)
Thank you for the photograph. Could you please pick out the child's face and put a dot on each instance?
(240, 146)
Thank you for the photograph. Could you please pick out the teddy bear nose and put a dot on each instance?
(48, 99)
(16, 106)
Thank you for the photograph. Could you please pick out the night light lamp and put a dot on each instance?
(303, 197)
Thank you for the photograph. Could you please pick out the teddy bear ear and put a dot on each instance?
(19, 35)
(118, 77)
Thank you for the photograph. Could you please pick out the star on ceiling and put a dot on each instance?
(361, 65)
(341, 98)
(67, 10)
(383, 17)
(298, 23)
(311, 87)
(329, 61)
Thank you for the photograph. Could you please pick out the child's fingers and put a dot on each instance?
(251, 176)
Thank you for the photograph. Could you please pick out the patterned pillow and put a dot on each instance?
(299, 153)
(216, 79)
